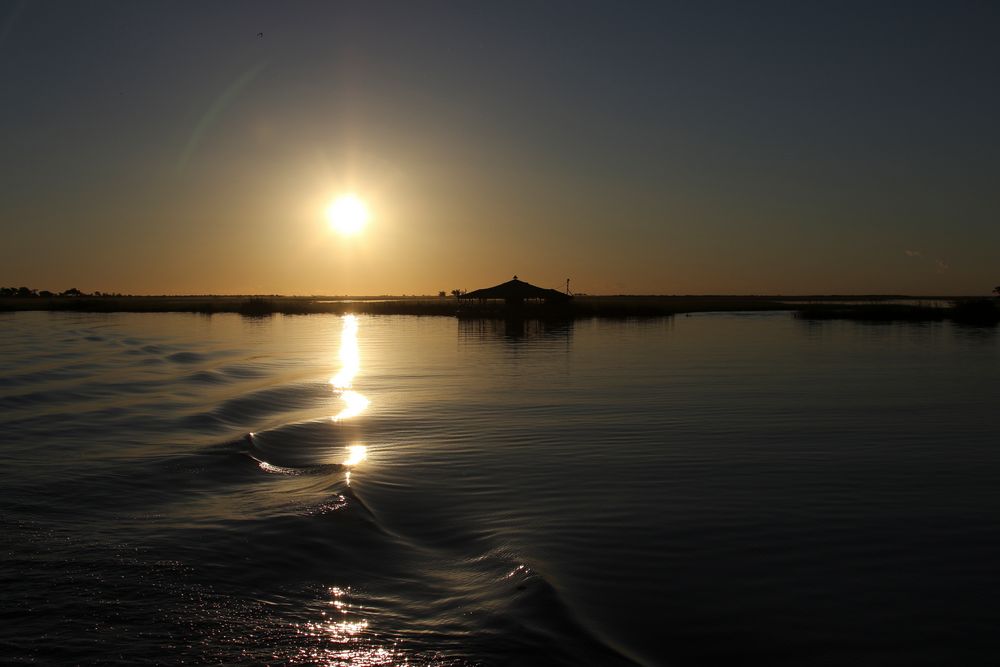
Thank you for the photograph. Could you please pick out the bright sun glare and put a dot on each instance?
(348, 215)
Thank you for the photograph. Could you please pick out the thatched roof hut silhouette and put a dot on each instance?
(515, 292)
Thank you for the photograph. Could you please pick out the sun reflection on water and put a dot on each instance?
(353, 643)
(354, 405)
(355, 455)
(350, 360)
(354, 402)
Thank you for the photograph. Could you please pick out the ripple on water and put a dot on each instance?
(318, 442)
(708, 491)
(239, 410)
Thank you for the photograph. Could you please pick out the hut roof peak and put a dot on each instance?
(515, 289)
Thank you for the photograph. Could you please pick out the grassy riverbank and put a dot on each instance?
(966, 310)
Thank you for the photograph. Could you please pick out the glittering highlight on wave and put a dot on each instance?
(346, 639)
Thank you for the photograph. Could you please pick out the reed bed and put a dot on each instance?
(962, 310)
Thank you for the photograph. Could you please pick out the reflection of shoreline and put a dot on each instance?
(580, 307)
(514, 329)
(966, 309)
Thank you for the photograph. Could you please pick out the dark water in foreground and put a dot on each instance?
(715, 489)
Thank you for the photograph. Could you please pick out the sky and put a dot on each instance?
(635, 148)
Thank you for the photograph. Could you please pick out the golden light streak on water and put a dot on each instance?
(351, 642)
(356, 454)
(355, 404)
(350, 359)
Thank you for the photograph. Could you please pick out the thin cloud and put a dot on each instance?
(941, 265)
(913, 253)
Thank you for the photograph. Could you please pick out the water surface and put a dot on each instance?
(712, 489)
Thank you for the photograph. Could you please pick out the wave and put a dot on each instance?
(255, 406)
(315, 445)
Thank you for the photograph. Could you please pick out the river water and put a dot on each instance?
(713, 489)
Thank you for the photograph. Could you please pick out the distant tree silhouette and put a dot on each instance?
(996, 290)
(72, 291)
(457, 292)
(441, 294)
(24, 291)
(45, 293)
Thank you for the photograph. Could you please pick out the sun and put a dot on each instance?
(347, 214)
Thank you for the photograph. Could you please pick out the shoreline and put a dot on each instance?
(887, 308)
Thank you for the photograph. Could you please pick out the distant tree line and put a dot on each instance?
(29, 293)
